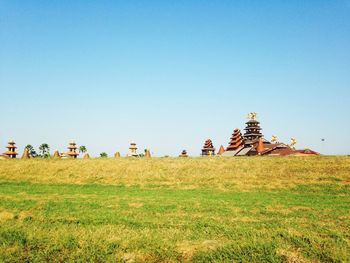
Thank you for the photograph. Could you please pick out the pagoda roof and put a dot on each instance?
(72, 153)
(10, 153)
(11, 146)
(208, 149)
(252, 127)
(252, 121)
(252, 134)
(278, 149)
(236, 139)
(72, 147)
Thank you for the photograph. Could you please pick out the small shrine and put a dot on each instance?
(221, 150)
(208, 148)
(147, 153)
(183, 154)
(72, 150)
(11, 150)
(56, 154)
(25, 154)
(132, 150)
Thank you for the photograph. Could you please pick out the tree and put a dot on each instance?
(44, 150)
(82, 149)
(31, 151)
(103, 155)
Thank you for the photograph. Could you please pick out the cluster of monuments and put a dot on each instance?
(251, 143)
(72, 152)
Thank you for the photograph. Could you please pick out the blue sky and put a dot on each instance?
(170, 74)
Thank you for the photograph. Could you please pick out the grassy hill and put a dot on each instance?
(250, 209)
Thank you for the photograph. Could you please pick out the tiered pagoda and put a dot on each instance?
(236, 140)
(132, 150)
(183, 154)
(208, 148)
(254, 143)
(72, 150)
(11, 150)
(252, 130)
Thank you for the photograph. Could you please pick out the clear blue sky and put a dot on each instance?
(170, 74)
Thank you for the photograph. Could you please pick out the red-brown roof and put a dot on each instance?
(10, 153)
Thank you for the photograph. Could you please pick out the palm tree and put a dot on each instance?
(31, 150)
(82, 149)
(103, 155)
(44, 150)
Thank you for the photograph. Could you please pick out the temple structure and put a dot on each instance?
(252, 132)
(72, 150)
(183, 154)
(236, 140)
(132, 150)
(208, 148)
(11, 150)
(254, 143)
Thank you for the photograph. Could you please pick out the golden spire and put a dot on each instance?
(274, 138)
(293, 141)
(252, 115)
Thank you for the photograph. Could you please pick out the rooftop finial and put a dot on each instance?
(252, 115)
(293, 141)
(274, 138)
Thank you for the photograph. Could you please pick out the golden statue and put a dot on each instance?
(293, 142)
(274, 138)
(252, 115)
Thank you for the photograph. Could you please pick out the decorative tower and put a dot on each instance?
(221, 150)
(11, 150)
(208, 148)
(236, 140)
(132, 150)
(183, 154)
(252, 130)
(25, 154)
(72, 150)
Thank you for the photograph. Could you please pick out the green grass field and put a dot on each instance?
(250, 209)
